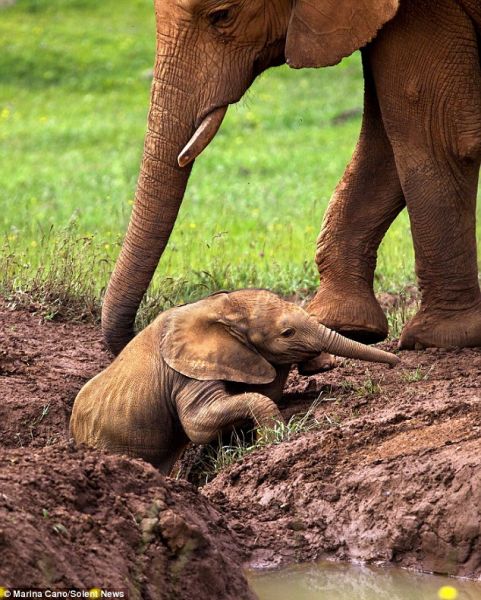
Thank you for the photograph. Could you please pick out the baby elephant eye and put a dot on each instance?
(219, 16)
(287, 333)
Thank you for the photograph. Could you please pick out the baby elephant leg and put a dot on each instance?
(221, 413)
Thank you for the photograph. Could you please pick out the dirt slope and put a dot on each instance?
(393, 474)
(43, 365)
(76, 519)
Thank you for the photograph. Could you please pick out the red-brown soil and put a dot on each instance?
(392, 473)
(43, 365)
(72, 518)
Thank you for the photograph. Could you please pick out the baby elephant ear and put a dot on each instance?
(204, 341)
(323, 32)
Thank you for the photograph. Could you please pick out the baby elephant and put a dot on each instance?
(201, 369)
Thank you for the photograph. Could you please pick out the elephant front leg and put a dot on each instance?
(432, 113)
(365, 203)
(207, 419)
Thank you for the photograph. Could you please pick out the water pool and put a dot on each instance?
(340, 581)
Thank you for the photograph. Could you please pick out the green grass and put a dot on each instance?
(74, 93)
(211, 459)
(418, 374)
(368, 387)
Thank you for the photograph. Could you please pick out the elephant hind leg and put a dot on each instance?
(432, 114)
(365, 203)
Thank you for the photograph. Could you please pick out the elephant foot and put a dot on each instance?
(323, 362)
(443, 329)
(355, 315)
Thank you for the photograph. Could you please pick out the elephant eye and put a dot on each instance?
(218, 17)
(287, 333)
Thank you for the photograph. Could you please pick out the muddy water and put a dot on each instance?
(335, 581)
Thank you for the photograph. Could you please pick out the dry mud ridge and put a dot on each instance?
(76, 519)
(394, 477)
(391, 472)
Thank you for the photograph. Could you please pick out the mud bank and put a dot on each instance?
(391, 473)
(71, 518)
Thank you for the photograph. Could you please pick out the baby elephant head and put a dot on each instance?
(242, 336)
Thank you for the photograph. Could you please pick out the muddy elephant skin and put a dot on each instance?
(420, 148)
(201, 369)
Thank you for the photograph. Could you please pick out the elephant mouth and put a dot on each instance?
(203, 136)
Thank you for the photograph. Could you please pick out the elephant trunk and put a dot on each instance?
(336, 344)
(160, 190)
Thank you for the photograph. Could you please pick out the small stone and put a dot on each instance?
(330, 493)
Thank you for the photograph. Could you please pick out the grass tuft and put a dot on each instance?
(403, 309)
(67, 282)
(418, 374)
(213, 458)
(369, 387)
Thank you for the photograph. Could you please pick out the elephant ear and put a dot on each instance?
(322, 32)
(205, 341)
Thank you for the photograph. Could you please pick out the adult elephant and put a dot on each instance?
(420, 147)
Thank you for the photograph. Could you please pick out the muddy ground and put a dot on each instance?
(72, 518)
(391, 471)
(392, 474)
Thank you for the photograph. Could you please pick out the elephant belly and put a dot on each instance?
(159, 447)
(155, 440)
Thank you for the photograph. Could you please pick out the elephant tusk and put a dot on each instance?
(203, 136)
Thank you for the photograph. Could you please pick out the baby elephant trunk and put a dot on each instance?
(336, 344)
